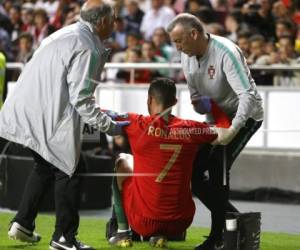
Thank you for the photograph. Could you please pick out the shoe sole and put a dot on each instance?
(17, 234)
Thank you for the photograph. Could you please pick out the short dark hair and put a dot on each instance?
(163, 90)
(257, 38)
(26, 35)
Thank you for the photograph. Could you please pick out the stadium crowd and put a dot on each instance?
(267, 31)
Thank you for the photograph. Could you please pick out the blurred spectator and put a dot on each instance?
(296, 16)
(148, 55)
(170, 4)
(145, 5)
(5, 45)
(216, 29)
(69, 16)
(5, 22)
(134, 16)
(15, 18)
(42, 28)
(158, 16)
(280, 11)
(221, 8)
(206, 15)
(50, 6)
(258, 15)
(25, 42)
(176, 5)
(257, 55)
(119, 36)
(243, 42)
(270, 47)
(286, 49)
(160, 39)
(133, 40)
(284, 28)
(287, 56)
(193, 6)
(257, 48)
(233, 24)
(140, 75)
(27, 16)
(7, 4)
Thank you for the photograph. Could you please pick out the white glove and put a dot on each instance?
(225, 135)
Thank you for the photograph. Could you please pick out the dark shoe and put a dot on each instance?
(62, 244)
(111, 228)
(158, 241)
(18, 232)
(211, 244)
(121, 239)
(81, 246)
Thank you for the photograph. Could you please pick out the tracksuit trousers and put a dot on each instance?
(67, 197)
(209, 182)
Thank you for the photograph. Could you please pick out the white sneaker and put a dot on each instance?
(18, 232)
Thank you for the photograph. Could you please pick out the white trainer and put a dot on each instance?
(18, 232)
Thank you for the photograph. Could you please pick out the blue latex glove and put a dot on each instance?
(116, 128)
(202, 105)
(115, 115)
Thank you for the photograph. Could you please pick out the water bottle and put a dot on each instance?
(231, 235)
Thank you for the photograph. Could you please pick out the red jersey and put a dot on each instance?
(163, 155)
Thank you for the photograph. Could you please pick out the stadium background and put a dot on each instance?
(268, 32)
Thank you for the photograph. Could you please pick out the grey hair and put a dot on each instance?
(94, 15)
(187, 21)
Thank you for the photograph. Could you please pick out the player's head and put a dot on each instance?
(100, 14)
(161, 95)
(186, 31)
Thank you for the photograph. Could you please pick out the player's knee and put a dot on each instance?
(124, 163)
(121, 166)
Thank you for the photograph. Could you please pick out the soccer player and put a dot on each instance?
(215, 68)
(157, 199)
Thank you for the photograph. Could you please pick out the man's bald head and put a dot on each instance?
(93, 10)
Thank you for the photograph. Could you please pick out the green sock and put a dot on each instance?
(120, 214)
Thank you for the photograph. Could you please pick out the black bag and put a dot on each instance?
(16, 162)
(242, 231)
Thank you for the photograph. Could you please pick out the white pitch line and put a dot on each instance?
(279, 130)
(117, 174)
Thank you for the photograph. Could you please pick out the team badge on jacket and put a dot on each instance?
(211, 71)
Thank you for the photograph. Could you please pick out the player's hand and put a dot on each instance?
(225, 135)
(202, 105)
(115, 115)
(116, 128)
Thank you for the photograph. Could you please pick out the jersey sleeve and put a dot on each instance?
(135, 121)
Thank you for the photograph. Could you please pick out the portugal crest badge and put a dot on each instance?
(211, 71)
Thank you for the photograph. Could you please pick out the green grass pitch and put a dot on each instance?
(91, 231)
